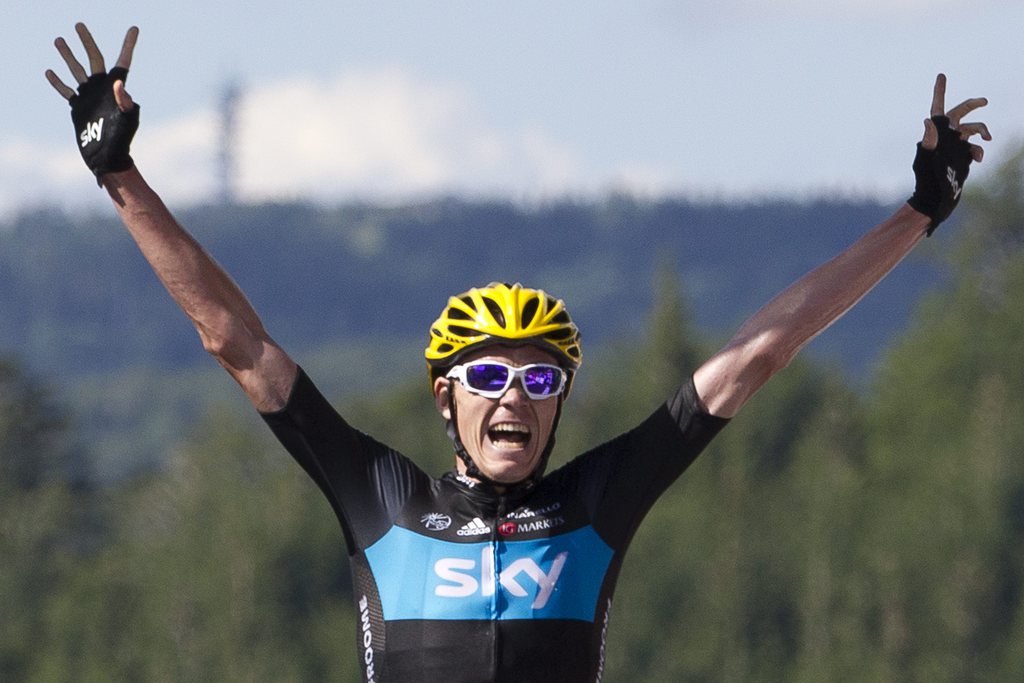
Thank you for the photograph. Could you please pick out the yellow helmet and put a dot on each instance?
(502, 314)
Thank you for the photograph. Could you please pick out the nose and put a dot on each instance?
(514, 395)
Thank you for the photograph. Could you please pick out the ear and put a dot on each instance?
(442, 387)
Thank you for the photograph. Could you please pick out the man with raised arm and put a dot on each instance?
(496, 571)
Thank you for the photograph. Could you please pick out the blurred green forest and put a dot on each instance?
(828, 534)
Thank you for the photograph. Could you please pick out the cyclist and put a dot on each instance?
(496, 570)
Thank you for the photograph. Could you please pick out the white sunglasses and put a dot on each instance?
(492, 379)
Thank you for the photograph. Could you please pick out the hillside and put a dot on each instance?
(76, 298)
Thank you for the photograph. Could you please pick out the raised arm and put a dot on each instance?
(769, 340)
(105, 119)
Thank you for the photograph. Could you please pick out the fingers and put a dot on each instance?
(976, 128)
(59, 85)
(124, 60)
(121, 96)
(955, 115)
(964, 108)
(939, 96)
(73, 65)
(931, 135)
(96, 64)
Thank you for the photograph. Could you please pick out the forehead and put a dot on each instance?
(512, 355)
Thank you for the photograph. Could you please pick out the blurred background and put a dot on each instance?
(393, 100)
(666, 168)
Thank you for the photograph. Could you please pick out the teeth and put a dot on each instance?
(509, 435)
(511, 428)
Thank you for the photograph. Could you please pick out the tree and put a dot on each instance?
(945, 470)
(45, 522)
(225, 565)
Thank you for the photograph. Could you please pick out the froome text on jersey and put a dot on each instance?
(364, 616)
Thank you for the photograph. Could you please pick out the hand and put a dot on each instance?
(944, 156)
(104, 115)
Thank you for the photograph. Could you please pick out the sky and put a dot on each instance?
(399, 101)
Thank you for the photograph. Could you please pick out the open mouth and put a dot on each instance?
(509, 435)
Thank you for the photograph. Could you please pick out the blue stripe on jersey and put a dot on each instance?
(419, 577)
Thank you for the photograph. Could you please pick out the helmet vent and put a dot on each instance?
(458, 314)
(495, 310)
(529, 312)
(460, 331)
(559, 335)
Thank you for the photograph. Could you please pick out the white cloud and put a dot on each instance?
(179, 155)
(176, 156)
(359, 131)
(646, 180)
(35, 174)
(556, 167)
(376, 134)
(381, 133)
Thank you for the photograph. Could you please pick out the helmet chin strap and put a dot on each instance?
(473, 471)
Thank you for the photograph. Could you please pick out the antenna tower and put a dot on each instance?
(226, 169)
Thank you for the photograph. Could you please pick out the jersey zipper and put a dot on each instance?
(496, 595)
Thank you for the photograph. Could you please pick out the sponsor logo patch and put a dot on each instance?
(474, 527)
(436, 521)
(556, 577)
(511, 528)
(527, 512)
(92, 131)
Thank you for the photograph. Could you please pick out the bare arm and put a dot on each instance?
(769, 340)
(229, 328)
(227, 324)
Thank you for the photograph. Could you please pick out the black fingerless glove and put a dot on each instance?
(940, 174)
(104, 132)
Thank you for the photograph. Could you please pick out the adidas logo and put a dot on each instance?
(474, 527)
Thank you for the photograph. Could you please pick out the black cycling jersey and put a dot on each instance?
(456, 582)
